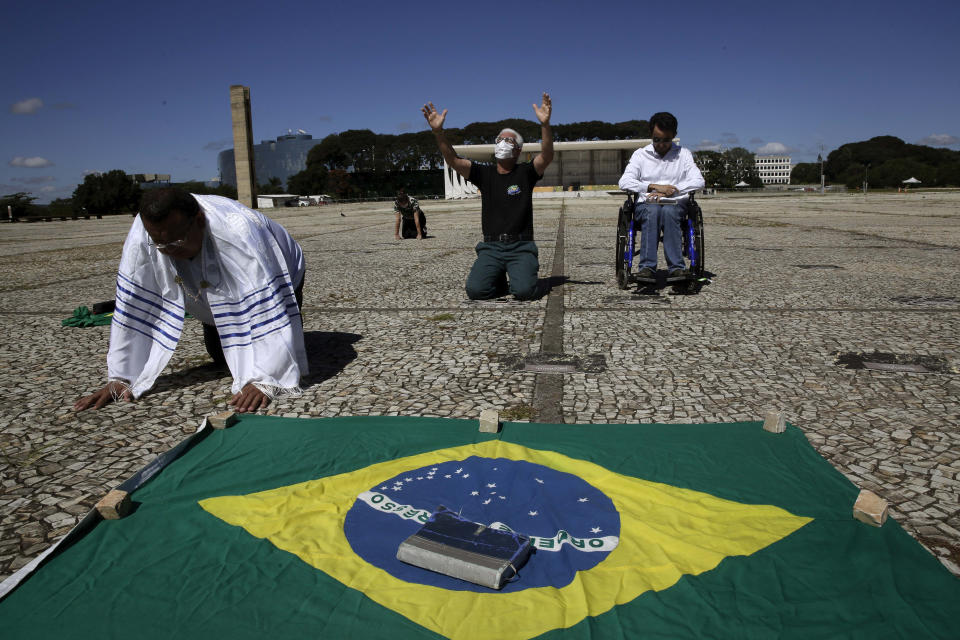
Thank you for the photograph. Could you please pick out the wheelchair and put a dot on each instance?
(627, 232)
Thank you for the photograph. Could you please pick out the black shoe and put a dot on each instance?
(646, 274)
(678, 274)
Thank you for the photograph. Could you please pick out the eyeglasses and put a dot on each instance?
(176, 244)
(659, 140)
(512, 141)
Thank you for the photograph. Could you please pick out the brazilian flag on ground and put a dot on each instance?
(288, 528)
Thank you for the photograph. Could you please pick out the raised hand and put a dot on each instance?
(434, 118)
(543, 111)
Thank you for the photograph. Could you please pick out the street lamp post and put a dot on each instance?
(865, 167)
(820, 160)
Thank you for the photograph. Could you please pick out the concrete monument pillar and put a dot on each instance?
(243, 144)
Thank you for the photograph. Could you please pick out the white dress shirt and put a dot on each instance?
(676, 168)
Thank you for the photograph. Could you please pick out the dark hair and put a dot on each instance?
(664, 121)
(156, 204)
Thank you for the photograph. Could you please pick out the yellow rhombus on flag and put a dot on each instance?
(666, 532)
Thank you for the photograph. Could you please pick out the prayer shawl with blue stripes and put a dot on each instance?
(250, 293)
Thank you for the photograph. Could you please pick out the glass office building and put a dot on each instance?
(280, 158)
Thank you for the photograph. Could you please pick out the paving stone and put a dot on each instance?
(396, 336)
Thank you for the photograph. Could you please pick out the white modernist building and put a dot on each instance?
(575, 164)
(773, 169)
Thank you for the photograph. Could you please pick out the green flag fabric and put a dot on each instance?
(82, 317)
(289, 528)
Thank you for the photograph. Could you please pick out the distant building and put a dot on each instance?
(151, 180)
(270, 201)
(773, 169)
(280, 158)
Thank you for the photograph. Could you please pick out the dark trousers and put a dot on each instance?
(408, 228)
(211, 337)
(498, 261)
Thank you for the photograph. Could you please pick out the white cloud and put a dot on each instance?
(34, 179)
(48, 189)
(31, 163)
(773, 148)
(28, 106)
(218, 145)
(709, 145)
(940, 140)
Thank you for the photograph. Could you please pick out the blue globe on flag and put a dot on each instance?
(573, 526)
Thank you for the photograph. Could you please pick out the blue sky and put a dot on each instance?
(145, 87)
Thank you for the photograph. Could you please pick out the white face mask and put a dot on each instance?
(504, 150)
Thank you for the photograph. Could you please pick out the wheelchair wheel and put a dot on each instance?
(697, 263)
(623, 267)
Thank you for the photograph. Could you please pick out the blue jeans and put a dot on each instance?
(652, 218)
(496, 261)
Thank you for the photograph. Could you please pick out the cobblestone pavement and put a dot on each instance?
(796, 281)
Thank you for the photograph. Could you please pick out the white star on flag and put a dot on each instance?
(531, 513)
(419, 477)
(502, 497)
(487, 501)
(539, 480)
(584, 500)
(466, 475)
(408, 479)
(383, 488)
(447, 476)
(491, 485)
(596, 530)
(474, 493)
(398, 488)
(459, 470)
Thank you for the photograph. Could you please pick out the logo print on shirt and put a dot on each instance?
(513, 190)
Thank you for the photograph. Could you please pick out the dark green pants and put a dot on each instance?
(499, 261)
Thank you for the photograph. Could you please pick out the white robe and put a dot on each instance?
(251, 295)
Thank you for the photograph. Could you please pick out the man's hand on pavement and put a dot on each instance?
(113, 390)
(249, 399)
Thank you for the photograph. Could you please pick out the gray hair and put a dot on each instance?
(516, 133)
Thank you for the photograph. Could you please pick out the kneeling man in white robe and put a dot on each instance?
(237, 271)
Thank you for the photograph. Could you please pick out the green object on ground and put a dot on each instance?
(173, 569)
(83, 318)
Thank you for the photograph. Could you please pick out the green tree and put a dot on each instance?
(740, 167)
(712, 167)
(884, 158)
(310, 181)
(273, 185)
(805, 173)
(104, 193)
(20, 203)
(60, 207)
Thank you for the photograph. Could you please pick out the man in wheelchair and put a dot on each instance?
(663, 175)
